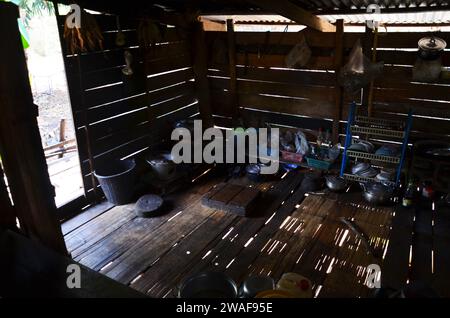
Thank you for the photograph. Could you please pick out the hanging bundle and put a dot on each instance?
(359, 70)
(86, 36)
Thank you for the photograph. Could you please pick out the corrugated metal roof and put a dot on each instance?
(329, 6)
(431, 17)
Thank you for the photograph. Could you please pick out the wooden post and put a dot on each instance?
(20, 143)
(371, 86)
(209, 25)
(338, 60)
(200, 56)
(234, 103)
(292, 11)
(367, 51)
(62, 135)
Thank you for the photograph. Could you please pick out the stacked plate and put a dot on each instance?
(363, 169)
(385, 176)
(363, 146)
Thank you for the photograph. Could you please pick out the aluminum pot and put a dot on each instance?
(208, 285)
(377, 193)
(431, 48)
(335, 183)
(256, 284)
(162, 165)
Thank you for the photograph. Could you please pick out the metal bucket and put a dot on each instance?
(117, 180)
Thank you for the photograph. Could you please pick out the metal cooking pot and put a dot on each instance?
(312, 182)
(256, 284)
(431, 48)
(335, 183)
(208, 285)
(163, 166)
(377, 193)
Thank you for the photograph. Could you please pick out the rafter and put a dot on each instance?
(295, 13)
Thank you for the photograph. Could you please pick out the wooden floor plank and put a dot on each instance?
(88, 235)
(441, 248)
(86, 216)
(287, 232)
(421, 263)
(395, 269)
(136, 260)
(132, 233)
(237, 268)
(184, 254)
(226, 249)
(297, 227)
(323, 248)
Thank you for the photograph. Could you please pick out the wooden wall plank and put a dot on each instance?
(201, 71)
(309, 108)
(394, 94)
(20, 142)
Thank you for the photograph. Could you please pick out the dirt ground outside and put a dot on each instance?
(47, 78)
(50, 94)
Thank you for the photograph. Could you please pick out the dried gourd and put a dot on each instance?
(87, 36)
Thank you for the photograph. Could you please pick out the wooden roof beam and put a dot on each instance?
(295, 13)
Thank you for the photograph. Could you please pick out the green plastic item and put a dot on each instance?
(318, 164)
(23, 32)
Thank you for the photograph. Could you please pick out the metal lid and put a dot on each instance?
(431, 43)
(148, 205)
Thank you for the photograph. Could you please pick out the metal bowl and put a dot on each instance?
(208, 285)
(256, 284)
(377, 193)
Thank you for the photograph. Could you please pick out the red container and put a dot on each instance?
(291, 156)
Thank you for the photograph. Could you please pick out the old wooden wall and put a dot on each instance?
(268, 92)
(117, 116)
(395, 92)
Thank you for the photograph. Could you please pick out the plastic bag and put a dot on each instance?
(301, 144)
(359, 71)
(299, 55)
